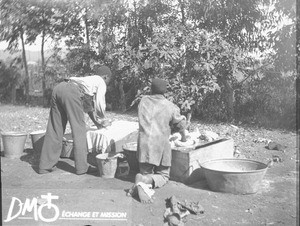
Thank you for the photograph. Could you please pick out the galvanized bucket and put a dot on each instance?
(37, 139)
(67, 147)
(13, 143)
(236, 176)
(107, 165)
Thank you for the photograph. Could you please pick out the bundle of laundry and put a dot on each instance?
(191, 139)
(102, 140)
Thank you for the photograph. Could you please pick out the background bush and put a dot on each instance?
(224, 60)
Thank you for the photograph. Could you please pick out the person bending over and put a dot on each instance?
(70, 100)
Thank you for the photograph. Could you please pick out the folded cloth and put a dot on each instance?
(101, 140)
(147, 188)
(209, 136)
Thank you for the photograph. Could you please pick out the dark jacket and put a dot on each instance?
(156, 115)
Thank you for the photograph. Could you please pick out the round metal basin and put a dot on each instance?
(237, 176)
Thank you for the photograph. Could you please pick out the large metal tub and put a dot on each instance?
(237, 176)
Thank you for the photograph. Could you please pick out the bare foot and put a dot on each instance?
(144, 198)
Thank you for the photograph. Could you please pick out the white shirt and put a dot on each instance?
(95, 86)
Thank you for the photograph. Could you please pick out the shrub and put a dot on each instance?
(269, 101)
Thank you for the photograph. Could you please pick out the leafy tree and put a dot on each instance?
(13, 26)
(210, 51)
(158, 35)
(81, 33)
(285, 39)
(10, 78)
(45, 23)
(78, 61)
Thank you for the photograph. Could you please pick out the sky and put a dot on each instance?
(3, 46)
(34, 47)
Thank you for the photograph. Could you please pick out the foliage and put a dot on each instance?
(56, 69)
(203, 48)
(269, 100)
(14, 20)
(192, 60)
(77, 61)
(235, 19)
(10, 78)
(285, 38)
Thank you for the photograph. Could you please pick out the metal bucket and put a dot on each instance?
(236, 176)
(37, 139)
(107, 165)
(13, 144)
(67, 147)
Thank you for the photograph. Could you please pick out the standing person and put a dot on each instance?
(70, 100)
(156, 116)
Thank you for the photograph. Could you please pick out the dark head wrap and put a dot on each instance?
(159, 86)
(103, 71)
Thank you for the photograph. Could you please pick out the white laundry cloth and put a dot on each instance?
(101, 140)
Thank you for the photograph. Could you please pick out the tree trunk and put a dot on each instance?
(122, 97)
(45, 102)
(229, 97)
(25, 68)
(298, 105)
(87, 32)
(88, 45)
(181, 2)
(13, 94)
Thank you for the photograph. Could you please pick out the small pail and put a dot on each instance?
(107, 165)
(13, 144)
(67, 147)
(122, 169)
(37, 139)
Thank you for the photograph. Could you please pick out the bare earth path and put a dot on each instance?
(92, 200)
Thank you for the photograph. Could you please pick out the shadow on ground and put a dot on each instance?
(201, 184)
(66, 164)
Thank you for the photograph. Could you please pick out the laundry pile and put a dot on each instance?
(102, 140)
(192, 138)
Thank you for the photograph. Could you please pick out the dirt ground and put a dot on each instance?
(276, 202)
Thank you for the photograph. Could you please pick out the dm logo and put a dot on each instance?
(17, 208)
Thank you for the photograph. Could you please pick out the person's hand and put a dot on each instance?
(98, 125)
(183, 135)
(106, 122)
(188, 121)
(103, 124)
